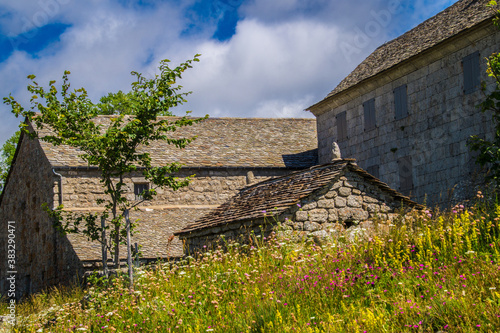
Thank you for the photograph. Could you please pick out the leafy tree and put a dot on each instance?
(113, 148)
(123, 103)
(489, 151)
(7, 155)
(111, 104)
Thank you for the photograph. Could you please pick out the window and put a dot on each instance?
(370, 121)
(401, 102)
(405, 175)
(472, 77)
(374, 171)
(139, 189)
(341, 126)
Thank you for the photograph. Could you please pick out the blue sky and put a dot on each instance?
(260, 58)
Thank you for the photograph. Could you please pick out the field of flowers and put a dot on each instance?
(430, 272)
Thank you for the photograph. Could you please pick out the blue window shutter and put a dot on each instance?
(370, 116)
(472, 75)
(405, 175)
(401, 102)
(374, 171)
(341, 126)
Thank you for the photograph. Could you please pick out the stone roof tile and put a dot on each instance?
(276, 195)
(231, 142)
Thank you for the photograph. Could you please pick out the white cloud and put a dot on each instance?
(290, 65)
(285, 55)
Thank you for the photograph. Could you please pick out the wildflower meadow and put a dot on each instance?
(428, 272)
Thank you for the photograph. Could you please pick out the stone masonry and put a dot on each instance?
(350, 198)
(228, 154)
(425, 154)
(159, 218)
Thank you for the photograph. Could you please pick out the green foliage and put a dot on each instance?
(6, 156)
(113, 148)
(423, 272)
(489, 151)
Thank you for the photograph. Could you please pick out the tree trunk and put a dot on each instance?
(103, 248)
(129, 251)
(117, 247)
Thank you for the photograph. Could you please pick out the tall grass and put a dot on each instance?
(427, 273)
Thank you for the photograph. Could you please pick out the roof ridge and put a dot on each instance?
(220, 118)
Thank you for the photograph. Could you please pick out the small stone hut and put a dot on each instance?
(229, 154)
(314, 201)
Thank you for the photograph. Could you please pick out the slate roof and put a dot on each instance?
(278, 194)
(223, 142)
(457, 18)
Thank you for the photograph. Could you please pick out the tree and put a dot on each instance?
(114, 149)
(7, 156)
(489, 151)
(123, 103)
(111, 104)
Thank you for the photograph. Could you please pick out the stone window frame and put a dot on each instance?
(400, 102)
(471, 73)
(139, 188)
(370, 114)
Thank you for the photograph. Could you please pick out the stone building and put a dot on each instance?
(228, 154)
(314, 201)
(406, 112)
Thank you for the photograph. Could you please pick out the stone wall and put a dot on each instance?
(46, 258)
(158, 219)
(42, 255)
(430, 143)
(349, 202)
(209, 187)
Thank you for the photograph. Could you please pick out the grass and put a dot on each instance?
(428, 273)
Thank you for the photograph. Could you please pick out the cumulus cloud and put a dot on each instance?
(266, 63)
(285, 55)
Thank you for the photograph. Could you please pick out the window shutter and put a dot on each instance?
(370, 117)
(138, 189)
(341, 126)
(472, 75)
(401, 102)
(405, 175)
(374, 171)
